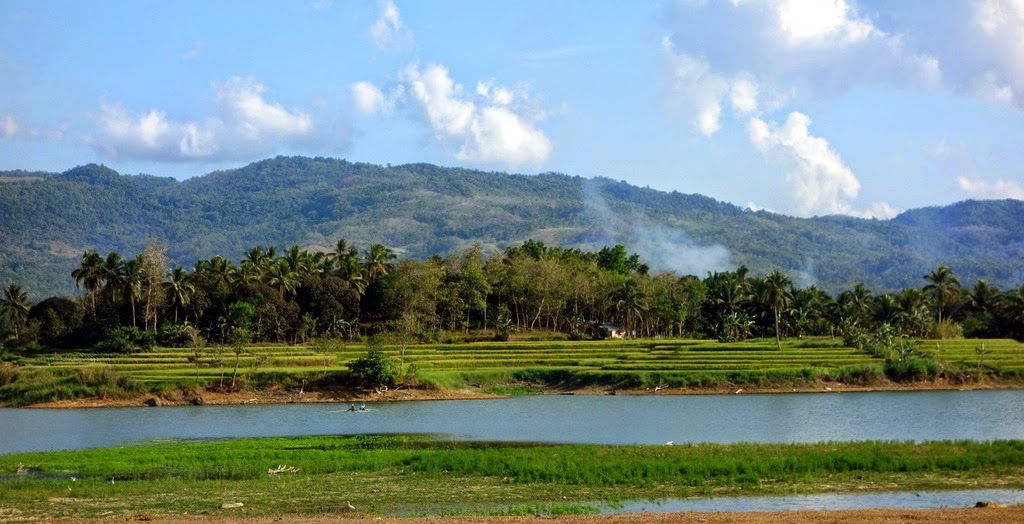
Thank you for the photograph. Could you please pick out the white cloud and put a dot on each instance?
(321, 5)
(486, 129)
(820, 21)
(246, 124)
(388, 30)
(696, 90)
(811, 47)
(368, 98)
(744, 96)
(9, 126)
(196, 50)
(1002, 28)
(979, 188)
(242, 99)
(820, 183)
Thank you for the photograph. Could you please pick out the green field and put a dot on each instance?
(420, 475)
(504, 367)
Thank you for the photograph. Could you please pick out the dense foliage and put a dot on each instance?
(420, 210)
(131, 304)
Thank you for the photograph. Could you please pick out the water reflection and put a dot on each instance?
(978, 415)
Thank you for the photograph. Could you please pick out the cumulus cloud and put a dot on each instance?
(368, 98)
(9, 126)
(697, 91)
(818, 47)
(492, 125)
(246, 124)
(820, 21)
(1002, 24)
(979, 188)
(388, 30)
(820, 183)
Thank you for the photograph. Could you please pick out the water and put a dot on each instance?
(828, 501)
(976, 415)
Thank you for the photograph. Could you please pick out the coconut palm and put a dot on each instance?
(90, 274)
(112, 266)
(179, 287)
(776, 293)
(629, 302)
(378, 262)
(130, 278)
(282, 277)
(15, 304)
(944, 286)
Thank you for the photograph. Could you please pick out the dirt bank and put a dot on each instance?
(929, 516)
(181, 398)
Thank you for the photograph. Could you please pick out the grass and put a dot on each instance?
(408, 474)
(516, 367)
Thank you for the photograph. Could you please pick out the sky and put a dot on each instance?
(804, 107)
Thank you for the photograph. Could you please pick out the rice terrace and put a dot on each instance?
(512, 262)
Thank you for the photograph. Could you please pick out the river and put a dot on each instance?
(796, 417)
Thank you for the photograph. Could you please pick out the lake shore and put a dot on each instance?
(279, 396)
(871, 516)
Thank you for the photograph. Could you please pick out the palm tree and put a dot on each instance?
(944, 285)
(629, 302)
(90, 274)
(282, 277)
(378, 262)
(15, 303)
(776, 292)
(984, 298)
(131, 282)
(179, 287)
(112, 274)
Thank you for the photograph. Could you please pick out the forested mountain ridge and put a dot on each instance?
(47, 220)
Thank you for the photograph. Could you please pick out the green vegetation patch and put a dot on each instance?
(410, 474)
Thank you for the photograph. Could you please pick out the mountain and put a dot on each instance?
(47, 220)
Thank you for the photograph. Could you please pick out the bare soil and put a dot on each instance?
(277, 396)
(929, 516)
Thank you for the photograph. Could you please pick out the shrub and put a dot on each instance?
(179, 336)
(373, 370)
(127, 339)
(946, 330)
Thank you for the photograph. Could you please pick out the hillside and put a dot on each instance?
(48, 219)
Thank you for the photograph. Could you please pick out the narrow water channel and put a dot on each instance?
(782, 418)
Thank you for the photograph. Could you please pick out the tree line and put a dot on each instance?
(297, 295)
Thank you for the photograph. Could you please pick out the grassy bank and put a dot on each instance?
(420, 475)
(499, 367)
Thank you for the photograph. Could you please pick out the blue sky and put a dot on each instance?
(805, 107)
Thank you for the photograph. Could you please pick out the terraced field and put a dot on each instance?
(1004, 356)
(498, 365)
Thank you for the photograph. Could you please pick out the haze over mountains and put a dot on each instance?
(47, 220)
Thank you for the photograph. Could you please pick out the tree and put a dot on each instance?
(179, 287)
(944, 286)
(629, 302)
(378, 262)
(776, 292)
(90, 275)
(154, 266)
(15, 304)
(130, 279)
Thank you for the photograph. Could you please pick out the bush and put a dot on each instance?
(179, 336)
(373, 370)
(127, 339)
(946, 330)
(914, 367)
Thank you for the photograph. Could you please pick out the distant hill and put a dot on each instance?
(48, 219)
